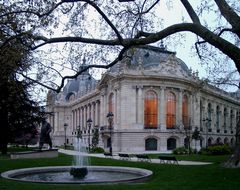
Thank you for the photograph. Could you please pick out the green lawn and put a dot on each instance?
(165, 177)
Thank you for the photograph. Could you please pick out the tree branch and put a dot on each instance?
(230, 15)
(33, 12)
(223, 45)
(96, 7)
(75, 39)
(58, 89)
(191, 11)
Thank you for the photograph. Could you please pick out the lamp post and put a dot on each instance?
(110, 121)
(89, 123)
(65, 133)
(208, 121)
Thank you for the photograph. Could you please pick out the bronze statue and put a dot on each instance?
(45, 135)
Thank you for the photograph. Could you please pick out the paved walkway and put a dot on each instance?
(182, 162)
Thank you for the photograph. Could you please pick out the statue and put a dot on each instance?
(45, 135)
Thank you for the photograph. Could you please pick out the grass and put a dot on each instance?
(165, 177)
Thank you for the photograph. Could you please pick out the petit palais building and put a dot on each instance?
(153, 99)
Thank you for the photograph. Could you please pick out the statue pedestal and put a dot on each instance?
(51, 153)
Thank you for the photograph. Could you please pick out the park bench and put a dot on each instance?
(108, 155)
(143, 157)
(168, 159)
(124, 156)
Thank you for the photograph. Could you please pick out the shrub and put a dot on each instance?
(216, 150)
(204, 151)
(181, 150)
(219, 150)
(97, 150)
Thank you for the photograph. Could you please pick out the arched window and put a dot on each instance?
(226, 141)
(108, 142)
(225, 118)
(218, 117)
(219, 140)
(232, 142)
(186, 142)
(171, 143)
(209, 142)
(231, 119)
(151, 144)
(185, 119)
(209, 116)
(171, 110)
(150, 110)
(110, 103)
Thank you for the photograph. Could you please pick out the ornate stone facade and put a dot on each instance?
(156, 101)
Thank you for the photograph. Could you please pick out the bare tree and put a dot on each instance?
(93, 28)
(68, 31)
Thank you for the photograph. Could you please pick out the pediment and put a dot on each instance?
(105, 78)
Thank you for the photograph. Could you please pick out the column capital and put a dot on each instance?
(162, 87)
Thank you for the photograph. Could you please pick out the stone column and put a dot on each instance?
(115, 95)
(77, 124)
(101, 110)
(119, 108)
(97, 113)
(214, 116)
(80, 122)
(84, 117)
(73, 119)
(105, 109)
(179, 110)
(140, 105)
(162, 108)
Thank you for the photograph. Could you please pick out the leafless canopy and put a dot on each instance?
(65, 31)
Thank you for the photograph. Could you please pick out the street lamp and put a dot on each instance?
(89, 123)
(110, 121)
(208, 122)
(65, 131)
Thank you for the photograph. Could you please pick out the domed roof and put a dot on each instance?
(77, 87)
(150, 57)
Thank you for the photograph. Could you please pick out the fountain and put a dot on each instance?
(80, 173)
(79, 170)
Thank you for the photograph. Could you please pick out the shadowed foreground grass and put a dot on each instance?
(165, 176)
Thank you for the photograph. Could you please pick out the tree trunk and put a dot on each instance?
(234, 160)
(3, 134)
(4, 128)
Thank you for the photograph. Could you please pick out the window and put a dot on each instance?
(209, 142)
(186, 142)
(219, 141)
(225, 118)
(110, 103)
(185, 119)
(108, 142)
(171, 143)
(209, 119)
(226, 141)
(231, 119)
(171, 110)
(151, 144)
(218, 117)
(150, 110)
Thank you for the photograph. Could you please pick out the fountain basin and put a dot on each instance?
(80, 172)
(96, 175)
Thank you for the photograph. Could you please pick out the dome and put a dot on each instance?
(150, 57)
(77, 87)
